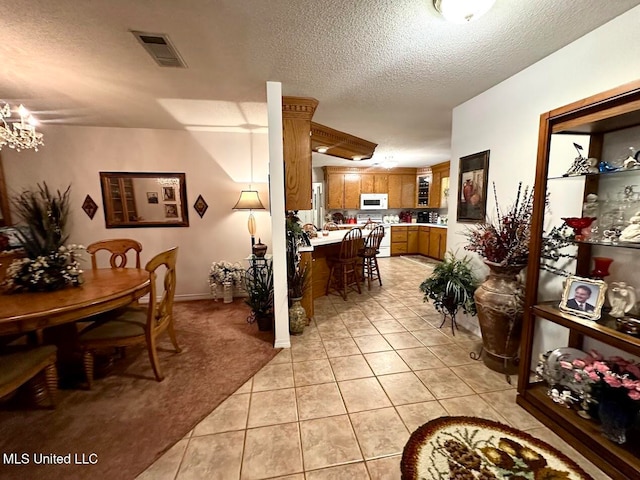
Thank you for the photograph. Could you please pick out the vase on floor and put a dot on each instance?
(500, 305)
(227, 292)
(297, 317)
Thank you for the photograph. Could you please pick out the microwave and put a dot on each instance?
(373, 201)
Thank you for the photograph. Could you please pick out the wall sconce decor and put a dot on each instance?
(200, 206)
(89, 207)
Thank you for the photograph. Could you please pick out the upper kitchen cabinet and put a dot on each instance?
(423, 183)
(402, 188)
(439, 187)
(374, 182)
(296, 133)
(343, 187)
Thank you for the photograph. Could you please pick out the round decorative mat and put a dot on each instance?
(470, 448)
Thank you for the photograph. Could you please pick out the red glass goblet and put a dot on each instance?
(578, 223)
(601, 267)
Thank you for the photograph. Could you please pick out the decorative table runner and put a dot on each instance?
(475, 448)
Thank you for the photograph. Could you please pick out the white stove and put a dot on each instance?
(376, 217)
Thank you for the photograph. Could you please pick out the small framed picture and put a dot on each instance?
(171, 210)
(169, 194)
(583, 297)
(152, 197)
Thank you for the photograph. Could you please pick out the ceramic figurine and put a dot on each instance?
(632, 232)
(622, 298)
(605, 167)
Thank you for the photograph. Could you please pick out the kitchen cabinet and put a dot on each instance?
(606, 121)
(402, 190)
(399, 235)
(439, 172)
(423, 183)
(120, 195)
(374, 183)
(423, 241)
(344, 186)
(412, 239)
(296, 140)
(437, 242)
(343, 189)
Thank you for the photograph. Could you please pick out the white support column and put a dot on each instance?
(278, 219)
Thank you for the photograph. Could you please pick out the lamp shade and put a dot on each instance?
(249, 200)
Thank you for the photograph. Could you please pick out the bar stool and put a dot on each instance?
(344, 268)
(369, 256)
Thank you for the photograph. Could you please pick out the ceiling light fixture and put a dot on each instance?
(356, 158)
(20, 135)
(462, 11)
(322, 149)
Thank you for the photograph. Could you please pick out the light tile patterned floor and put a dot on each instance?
(342, 402)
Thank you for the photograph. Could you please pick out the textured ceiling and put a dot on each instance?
(388, 71)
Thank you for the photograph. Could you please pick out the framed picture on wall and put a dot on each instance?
(169, 194)
(152, 197)
(171, 210)
(472, 187)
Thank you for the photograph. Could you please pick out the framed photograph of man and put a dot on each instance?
(583, 297)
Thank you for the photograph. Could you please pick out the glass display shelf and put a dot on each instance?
(621, 173)
(620, 461)
(603, 329)
(618, 244)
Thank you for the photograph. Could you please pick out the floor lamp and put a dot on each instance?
(250, 200)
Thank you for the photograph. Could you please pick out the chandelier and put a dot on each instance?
(20, 135)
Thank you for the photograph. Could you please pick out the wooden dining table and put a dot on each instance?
(103, 289)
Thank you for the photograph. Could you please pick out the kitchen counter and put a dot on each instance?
(335, 236)
(437, 225)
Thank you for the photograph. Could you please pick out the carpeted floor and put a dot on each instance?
(129, 419)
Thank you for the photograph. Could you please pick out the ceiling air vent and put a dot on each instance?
(161, 49)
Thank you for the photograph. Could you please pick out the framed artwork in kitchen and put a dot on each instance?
(472, 187)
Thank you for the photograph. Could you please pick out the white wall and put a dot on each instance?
(505, 118)
(217, 166)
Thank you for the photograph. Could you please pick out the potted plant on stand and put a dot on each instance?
(259, 286)
(451, 287)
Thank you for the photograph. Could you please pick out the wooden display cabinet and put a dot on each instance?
(608, 122)
(438, 173)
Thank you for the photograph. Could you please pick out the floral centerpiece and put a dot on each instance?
(46, 272)
(49, 264)
(505, 239)
(225, 273)
(612, 384)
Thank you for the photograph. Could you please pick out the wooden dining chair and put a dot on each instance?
(330, 226)
(139, 324)
(22, 364)
(310, 229)
(118, 248)
(344, 270)
(369, 255)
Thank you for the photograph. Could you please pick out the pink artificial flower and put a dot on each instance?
(612, 381)
(593, 376)
(579, 364)
(628, 383)
(566, 365)
(589, 368)
(602, 367)
(577, 377)
(634, 395)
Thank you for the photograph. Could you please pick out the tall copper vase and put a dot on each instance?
(500, 304)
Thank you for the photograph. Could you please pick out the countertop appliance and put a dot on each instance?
(385, 245)
(373, 201)
(428, 217)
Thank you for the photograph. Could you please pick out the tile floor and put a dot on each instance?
(342, 402)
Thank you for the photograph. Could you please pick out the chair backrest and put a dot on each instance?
(161, 310)
(330, 226)
(370, 225)
(118, 248)
(351, 244)
(310, 229)
(372, 244)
